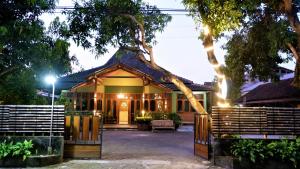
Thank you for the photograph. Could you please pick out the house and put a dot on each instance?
(279, 94)
(250, 84)
(125, 86)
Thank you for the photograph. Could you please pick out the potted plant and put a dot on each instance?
(143, 122)
(176, 119)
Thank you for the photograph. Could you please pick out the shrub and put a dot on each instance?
(284, 150)
(143, 120)
(176, 119)
(20, 149)
(159, 116)
(249, 149)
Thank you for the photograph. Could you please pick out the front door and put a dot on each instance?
(123, 113)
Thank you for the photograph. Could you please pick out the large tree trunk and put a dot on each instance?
(180, 85)
(208, 45)
(177, 82)
(291, 13)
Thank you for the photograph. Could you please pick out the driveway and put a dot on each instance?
(143, 149)
(119, 145)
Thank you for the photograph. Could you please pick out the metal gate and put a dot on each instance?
(201, 135)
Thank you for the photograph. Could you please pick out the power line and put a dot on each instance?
(169, 11)
(156, 9)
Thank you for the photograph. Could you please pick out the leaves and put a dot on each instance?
(258, 151)
(101, 23)
(20, 149)
(258, 35)
(27, 50)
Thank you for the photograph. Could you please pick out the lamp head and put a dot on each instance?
(50, 79)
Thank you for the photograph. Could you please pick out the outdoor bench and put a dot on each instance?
(162, 124)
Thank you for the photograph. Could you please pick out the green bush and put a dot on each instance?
(249, 149)
(20, 149)
(259, 151)
(176, 119)
(143, 120)
(159, 116)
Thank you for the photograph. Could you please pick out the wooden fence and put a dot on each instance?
(201, 136)
(31, 120)
(83, 136)
(256, 121)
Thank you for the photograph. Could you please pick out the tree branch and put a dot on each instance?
(292, 48)
(8, 70)
(172, 78)
(143, 41)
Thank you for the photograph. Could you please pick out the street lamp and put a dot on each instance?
(50, 79)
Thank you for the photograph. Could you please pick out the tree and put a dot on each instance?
(26, 49)
(250, 19)
(121, 23)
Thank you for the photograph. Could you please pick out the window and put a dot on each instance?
(77, 104)
(138, 105)
(115, 108)
(99, 105)
(84, 104)
(91, 104)
(108, 106)
(152, 105)
(132, 111)
(146, 105)
(179, 105)
(186, 106)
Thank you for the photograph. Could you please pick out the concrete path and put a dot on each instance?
(140, 150)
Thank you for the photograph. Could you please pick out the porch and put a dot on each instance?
(118, 109)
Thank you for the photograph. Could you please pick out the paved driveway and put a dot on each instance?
(139, 150)
(147, 145)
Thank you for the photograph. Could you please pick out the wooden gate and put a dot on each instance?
(83, 136)
(201, 136)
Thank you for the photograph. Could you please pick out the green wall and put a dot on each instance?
(123, 89)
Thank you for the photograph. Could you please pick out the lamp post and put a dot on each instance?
(50, 79)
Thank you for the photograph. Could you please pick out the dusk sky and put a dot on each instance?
(178, 49)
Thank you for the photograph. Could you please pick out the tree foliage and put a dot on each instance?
(97, 24)
(27, 51)
(264, 34)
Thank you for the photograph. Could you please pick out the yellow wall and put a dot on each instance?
(122, 82)
(100, 89)
(113, 79)
(153, 89)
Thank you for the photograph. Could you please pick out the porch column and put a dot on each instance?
(95, 95)
(205, 100)
(174, 101)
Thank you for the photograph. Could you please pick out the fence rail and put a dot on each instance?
(255, 120)
(31, 119)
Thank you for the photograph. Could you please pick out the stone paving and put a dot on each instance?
(139, 150)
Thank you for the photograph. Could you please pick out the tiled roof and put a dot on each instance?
(130, 60)
(193, 86)
(272, 91)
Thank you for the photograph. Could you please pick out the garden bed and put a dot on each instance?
(256, 153)
(39, 155)
(32, 161)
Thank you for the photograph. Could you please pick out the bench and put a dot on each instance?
(162, 124)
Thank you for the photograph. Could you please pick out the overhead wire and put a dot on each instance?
(169, 11)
